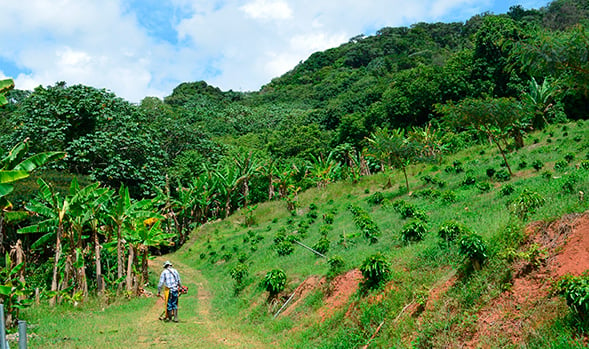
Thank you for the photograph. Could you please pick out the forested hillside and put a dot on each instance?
(93, 185)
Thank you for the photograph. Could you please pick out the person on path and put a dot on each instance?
(171, 279)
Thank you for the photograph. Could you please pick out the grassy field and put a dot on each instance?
(218, 313)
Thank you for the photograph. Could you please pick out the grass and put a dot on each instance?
(214, 249)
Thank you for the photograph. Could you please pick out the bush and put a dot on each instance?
(274, 282)
(449, 197)
(537, 165)
(484, 187)
(490, 172)
(569, 157)
(502, 175)
(284, 248)
(364, 222)
(575, 290)
(469, 179)
(336, 265)
(407, 210)
(584, 165)
(414, 231)
(450, 230)
(523, 164)
(322, 246)
(328, 218)
(375, 199)
(375, 269)
(526, 204)
(474, 249)
(238, 274)
(507, 189)
(560, 165)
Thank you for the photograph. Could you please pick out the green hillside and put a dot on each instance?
(405, 189)
(430, 295)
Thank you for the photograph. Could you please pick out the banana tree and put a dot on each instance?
(16, 165)
(123, 211)
(141, 235)
(13, 291)
(50, 205)
(86, 205)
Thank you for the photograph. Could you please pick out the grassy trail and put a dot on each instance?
(135, 324)
(198, 326)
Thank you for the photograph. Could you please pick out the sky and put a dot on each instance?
(140, 48)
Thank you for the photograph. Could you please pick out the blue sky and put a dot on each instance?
(139, 48)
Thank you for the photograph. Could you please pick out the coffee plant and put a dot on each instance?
(526, 203)
(451, 230)
(575, 290)
(274, 282)
(375, 269)
(364, 222)
(473, 248)
(414, 231)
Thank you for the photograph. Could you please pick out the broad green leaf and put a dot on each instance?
(38, 160)
(5, 290)
(9, 176)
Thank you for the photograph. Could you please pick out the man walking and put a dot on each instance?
(171, 279)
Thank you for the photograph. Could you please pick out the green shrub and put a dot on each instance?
(414, 231)
(537, 165)
(569, 157)
(322, 246)
(490, 172)
(568, 185)
(526, 203)
(507, 190)
(274, 282)
(584, 164)
(375, 199)
(469, 179)
(336, 265)
(523, 164)
(238, 274)
(484, 187)
(451, 230)
(575, 289)
(328, 218)
(502, 175)
(407, 210)
(473, 248)
(561, 165)
(449, 197)
(375, 269)
(364, 222)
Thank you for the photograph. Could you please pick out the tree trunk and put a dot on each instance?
(144, 270)
(98, 265)
(1, 232)
(130, 267)
(406, 180)
(56, 263)
(119, 256)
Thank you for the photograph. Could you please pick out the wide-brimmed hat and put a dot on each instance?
(167, 264)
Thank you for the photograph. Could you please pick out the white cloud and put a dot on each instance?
(232, 44)
(267, 9)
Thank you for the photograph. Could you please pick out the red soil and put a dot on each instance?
(567, 245)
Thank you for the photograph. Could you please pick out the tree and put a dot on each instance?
(5, 86)
(498, 118)
(105, 137)
(53, 208)
(16, 165)
(393, 149)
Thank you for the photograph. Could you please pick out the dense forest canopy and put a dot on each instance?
(402, 95)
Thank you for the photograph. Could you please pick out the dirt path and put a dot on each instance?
(198, 326)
